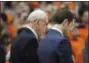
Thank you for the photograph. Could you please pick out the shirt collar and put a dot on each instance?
(56, 28)
(49, 26)
(30, 28)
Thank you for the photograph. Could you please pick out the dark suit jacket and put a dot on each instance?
(2, 54)
(54, 49)
(24, 47)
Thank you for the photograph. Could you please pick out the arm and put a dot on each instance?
(64, 52)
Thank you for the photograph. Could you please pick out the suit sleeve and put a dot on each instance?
(64, 52)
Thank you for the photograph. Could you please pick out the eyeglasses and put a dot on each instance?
(46, 22)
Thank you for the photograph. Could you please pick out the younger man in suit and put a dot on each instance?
(55, 47)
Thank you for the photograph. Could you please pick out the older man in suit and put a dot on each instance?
(25, 45)
(55, 47)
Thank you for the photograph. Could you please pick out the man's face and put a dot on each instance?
(69, 27)
(85, 17)
(42, 27)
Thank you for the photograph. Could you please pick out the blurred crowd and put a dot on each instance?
(14, 14)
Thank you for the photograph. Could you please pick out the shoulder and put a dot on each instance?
(54, 40)
(26, 33)
(24, 40)
(24, 36)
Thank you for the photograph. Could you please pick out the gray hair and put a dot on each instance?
(37, 15)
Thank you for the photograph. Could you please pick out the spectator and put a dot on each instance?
(55, 47)
(80, 34)
(2, 50)
(85, 51)
(4, 37)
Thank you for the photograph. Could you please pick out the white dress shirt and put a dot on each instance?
(55, 27)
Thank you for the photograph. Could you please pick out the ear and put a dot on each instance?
(65, 22)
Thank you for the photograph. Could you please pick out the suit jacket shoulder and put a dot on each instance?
(24, 47)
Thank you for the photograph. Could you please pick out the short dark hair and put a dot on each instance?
(59, 16)
(82, 10)
(3, 17)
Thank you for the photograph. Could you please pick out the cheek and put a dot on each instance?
(66, 27)
(44, 28)
(41, 26)
(70, 27)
